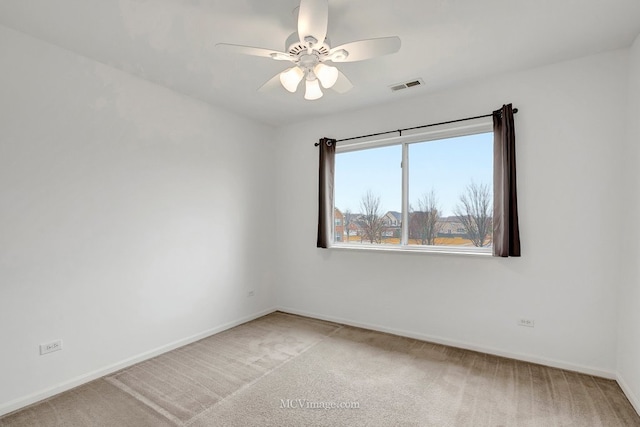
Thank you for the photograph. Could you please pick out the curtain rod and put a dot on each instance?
(515, 110)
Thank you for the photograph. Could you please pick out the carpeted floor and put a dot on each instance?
(285, 370)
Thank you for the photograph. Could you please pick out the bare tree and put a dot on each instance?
(423, 223)
(371, 218)
(475, 213)
(348, 218)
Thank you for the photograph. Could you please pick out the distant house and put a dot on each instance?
(354, 223)
(392, 222)
(351, 225)
(451, 226)
(346, 225)
(392, 219)
(338, 219)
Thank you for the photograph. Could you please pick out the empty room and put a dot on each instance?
(319, 213)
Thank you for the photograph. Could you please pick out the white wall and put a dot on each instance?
(629, 298)
(569, 134)
(132, 218)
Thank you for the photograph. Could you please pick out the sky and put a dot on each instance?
(447, 166)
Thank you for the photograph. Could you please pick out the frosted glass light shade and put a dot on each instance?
(291, 78)
(313, 90)
(327, 74)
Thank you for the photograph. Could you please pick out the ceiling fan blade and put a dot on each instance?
(343, 84)
(365, 49)
(313, 18)
(253, 51)
(272, 84)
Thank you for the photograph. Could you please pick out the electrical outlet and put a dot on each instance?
(529, 323)
(50, 347)
(251, 293)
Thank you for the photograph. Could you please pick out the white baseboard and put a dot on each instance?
(459, 344)
(22, 402)
(635, 402)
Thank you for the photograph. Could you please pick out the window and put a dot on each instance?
(424, 192)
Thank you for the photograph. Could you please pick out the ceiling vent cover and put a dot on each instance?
(406, 85)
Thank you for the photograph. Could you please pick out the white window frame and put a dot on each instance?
(471, 127)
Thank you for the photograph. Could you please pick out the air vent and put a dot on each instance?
(400, 86)
(297, 48)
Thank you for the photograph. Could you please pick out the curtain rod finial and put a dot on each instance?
(328, 141)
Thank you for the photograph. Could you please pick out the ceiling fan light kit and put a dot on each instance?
(312, 91)
(291, 78)
(327, 74)
(309, 50)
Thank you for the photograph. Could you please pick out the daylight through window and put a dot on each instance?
(432, 192)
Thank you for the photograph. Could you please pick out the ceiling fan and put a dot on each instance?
(310, 52)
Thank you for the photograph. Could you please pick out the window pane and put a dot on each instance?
(368, 196)
(451, 191)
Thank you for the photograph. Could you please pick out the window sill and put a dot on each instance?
(481, 252)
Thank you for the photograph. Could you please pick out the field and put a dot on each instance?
(440, 241)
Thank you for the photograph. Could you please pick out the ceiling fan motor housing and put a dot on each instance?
(295, 47)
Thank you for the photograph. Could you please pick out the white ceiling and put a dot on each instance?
(444, 42)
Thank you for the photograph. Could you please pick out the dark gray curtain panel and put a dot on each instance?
(325, 191)
(506, 232)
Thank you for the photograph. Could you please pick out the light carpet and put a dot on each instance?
(285, 370)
